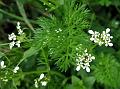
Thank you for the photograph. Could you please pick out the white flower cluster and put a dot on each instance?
(12, 37)
(103, 38)
(16, 69)
(2, 65)
(83, 61)
(42, 80)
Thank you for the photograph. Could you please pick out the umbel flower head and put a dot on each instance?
(13, 38)
(83, 61)
(103, 38)
(42, 80)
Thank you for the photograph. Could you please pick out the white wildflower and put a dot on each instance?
(83, 61)
(11, 44)
(42, 79)
(91, 32)
(41, 76)
(2, 65)
(95, 35)
(103, 38)
(108, 44)
(12, 36)
(44, 83)
(20, 31)
(18, 43)
(87, 69)
(36, 83)
(107, 30)
(18, 25)
(16, 69)
(78, 68)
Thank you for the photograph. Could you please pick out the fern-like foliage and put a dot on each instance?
(62, 34)
(106, 71)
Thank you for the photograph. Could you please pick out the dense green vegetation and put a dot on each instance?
(59, 44)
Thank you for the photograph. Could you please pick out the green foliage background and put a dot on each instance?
(54, 28)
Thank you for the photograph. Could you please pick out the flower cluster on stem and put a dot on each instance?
(13, 38)
(42, 79)
(101, 38)
(83, 61)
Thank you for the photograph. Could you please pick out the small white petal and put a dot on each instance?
(16, 69)
(100, 43)
(111, 37)
(44, 83)
(91, 32)
(87, 69)
(18, 25)
(85, 51)
(9, 37)
(110, 44)
(92, 57)
(12, 36)
(92, 39)
(36, 83)
(2, 64)
(107, 30)
(106, 44)
(18, 43)
(78, 68)
(41, 76)
(103, 33)
(11, 44)
(20, 31)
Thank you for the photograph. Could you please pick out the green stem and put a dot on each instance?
(92, 19)
(57, 73)
(20, 61)
(46, 60)
(65, 80)
(14, 84)
(117, 9)
(93, 47)
(4, 44)
(22, 12)
(34, 72)
(7, 59)
(39, 72)
(15, 16)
